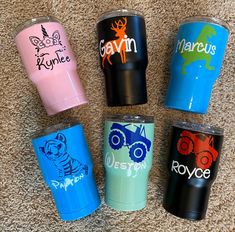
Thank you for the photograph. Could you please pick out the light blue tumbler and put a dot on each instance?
(196, 62)
(66, 165)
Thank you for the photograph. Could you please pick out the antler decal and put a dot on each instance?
(119, 25)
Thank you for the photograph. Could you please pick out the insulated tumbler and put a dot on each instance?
(123, 56)
(66, 165)
(50, 63)
(196, 62)
(193, 165)
(127, 155)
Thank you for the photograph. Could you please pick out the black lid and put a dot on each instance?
(126, 87)
(186, 199)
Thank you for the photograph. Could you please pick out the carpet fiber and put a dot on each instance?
(25, 203)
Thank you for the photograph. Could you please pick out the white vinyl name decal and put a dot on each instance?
(198, 47)
(111, 47)
(66, 182)
(184, 170)
(131, 168)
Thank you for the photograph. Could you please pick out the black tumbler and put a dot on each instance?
(123, 56)
(193, 165)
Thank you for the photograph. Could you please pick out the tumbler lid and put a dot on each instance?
(130, 118)
(31, 22)
(204, 18)
(199, 127)
(120, 12)
(67, 123)
(186, 199)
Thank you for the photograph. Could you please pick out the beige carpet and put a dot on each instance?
(25, 202)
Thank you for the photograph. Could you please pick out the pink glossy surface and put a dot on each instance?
(51, 65)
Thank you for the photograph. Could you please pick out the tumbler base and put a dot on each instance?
(187, 109)
(119, 206)
(190, 215)
(79, 214)
(65, 105)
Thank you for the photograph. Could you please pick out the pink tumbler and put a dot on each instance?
(50, 63)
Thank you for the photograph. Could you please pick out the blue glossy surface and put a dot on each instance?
(66, 165)
(193, 71)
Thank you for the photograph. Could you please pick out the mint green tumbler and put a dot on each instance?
(128, 152)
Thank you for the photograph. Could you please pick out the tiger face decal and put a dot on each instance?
(56, 151)
(55, 148)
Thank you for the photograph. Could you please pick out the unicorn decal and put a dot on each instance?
(47, 57)
(47, 41)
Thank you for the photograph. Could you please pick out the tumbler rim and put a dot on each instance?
(129, 118)
(204, 128)
(204, 18)
(56, 127)
(119, 12)
(30, 22)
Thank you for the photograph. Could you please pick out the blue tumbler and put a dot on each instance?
(196, 62)
(66, 165)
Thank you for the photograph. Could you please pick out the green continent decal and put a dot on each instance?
(201, 49)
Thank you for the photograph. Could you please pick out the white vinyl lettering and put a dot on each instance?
(66, 182)
(132, 169)
(184, 46)
(110, 47)
(184, 170)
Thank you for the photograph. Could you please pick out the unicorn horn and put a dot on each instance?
(44, 32)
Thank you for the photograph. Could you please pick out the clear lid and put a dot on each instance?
(120, 12)
(199, 128)
(55, 128)
(31, 22)
(208, 19)
(130, 118)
